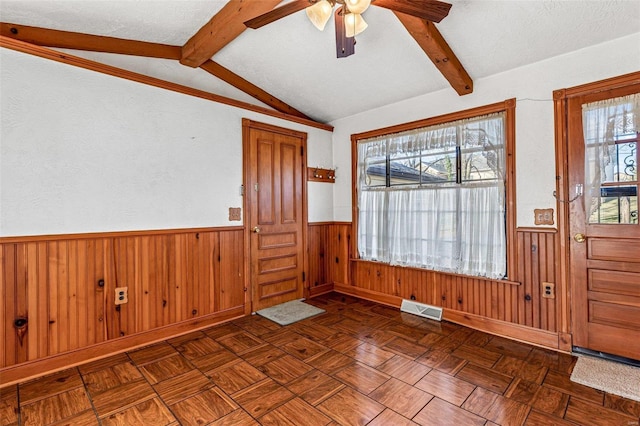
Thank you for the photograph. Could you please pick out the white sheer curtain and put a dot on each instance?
(603, 123)
(443, 225)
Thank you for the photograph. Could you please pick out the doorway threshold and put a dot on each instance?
(604, 355)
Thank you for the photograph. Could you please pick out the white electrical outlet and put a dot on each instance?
(122, 295)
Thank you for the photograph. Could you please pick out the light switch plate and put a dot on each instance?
(543, 216)
(235, 213)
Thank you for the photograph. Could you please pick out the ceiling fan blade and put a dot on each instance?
(345, 46)
(431, 10)
(278, 13)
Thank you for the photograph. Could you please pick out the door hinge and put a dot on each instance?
(304, 277)
(255, 186)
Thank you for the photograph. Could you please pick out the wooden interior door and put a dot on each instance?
(276, 216)
(604, 250)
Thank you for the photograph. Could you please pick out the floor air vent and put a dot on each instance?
(427, 311)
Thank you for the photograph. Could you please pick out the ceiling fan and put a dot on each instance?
(348, 17)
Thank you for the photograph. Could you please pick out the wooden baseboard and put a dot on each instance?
(565, 342)
(36, 368)
(374, 296)
(320, 289)
(521, 333)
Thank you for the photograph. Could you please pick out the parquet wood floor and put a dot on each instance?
(360, 363)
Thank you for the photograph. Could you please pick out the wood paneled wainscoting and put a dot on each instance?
(329, 256)
(58, 293)
(513, 308)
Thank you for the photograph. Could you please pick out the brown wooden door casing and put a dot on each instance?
(604, 269)
(276, 213)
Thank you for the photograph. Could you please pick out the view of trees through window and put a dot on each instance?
(475, 159)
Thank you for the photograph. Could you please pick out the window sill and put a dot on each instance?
(501, 281)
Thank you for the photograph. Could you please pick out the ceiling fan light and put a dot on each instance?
(319, 13)
(357, 6)
(354, 24)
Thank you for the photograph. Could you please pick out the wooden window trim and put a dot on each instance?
(509, 108)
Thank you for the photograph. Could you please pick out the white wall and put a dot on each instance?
(532, 86)
(86, 152)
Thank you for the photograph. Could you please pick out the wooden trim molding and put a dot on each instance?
(444, 118)
(521, 333)
(226, 75)
(530, 335)
(599, 86)
(328, 223)
(25, 371)
(510, 183)
(115, 234)
(536, 229)
(46, 53)
(451, 274)
(373, 296)
(321, 289)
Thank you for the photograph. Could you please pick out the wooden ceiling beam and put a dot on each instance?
(222, 29)
(249, 88)
(65, 58)
(79, 41)
(438, 50)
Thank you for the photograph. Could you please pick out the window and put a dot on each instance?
(435, 196)
(611, 173)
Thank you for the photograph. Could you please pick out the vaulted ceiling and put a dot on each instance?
(290, 66)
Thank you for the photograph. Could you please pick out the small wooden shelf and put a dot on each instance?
(317, 174)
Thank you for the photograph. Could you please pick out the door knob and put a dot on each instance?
(256, 229)
(579, 238)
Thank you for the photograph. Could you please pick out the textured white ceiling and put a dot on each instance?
(295, 62)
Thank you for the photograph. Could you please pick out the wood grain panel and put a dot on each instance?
(277, 288)
(231, 284)
(627, 283)
(288, 156)
(616, 250)
(278, 239)
(614, 314)
(517, 300)
(329, 250)
(278, 263)
(339, 249)
(59, 296)
(265, 183)
(318, 261)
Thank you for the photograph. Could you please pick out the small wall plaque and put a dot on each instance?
(543, 216)
(235, 213)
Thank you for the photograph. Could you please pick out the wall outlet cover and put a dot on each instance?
(122, 295)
